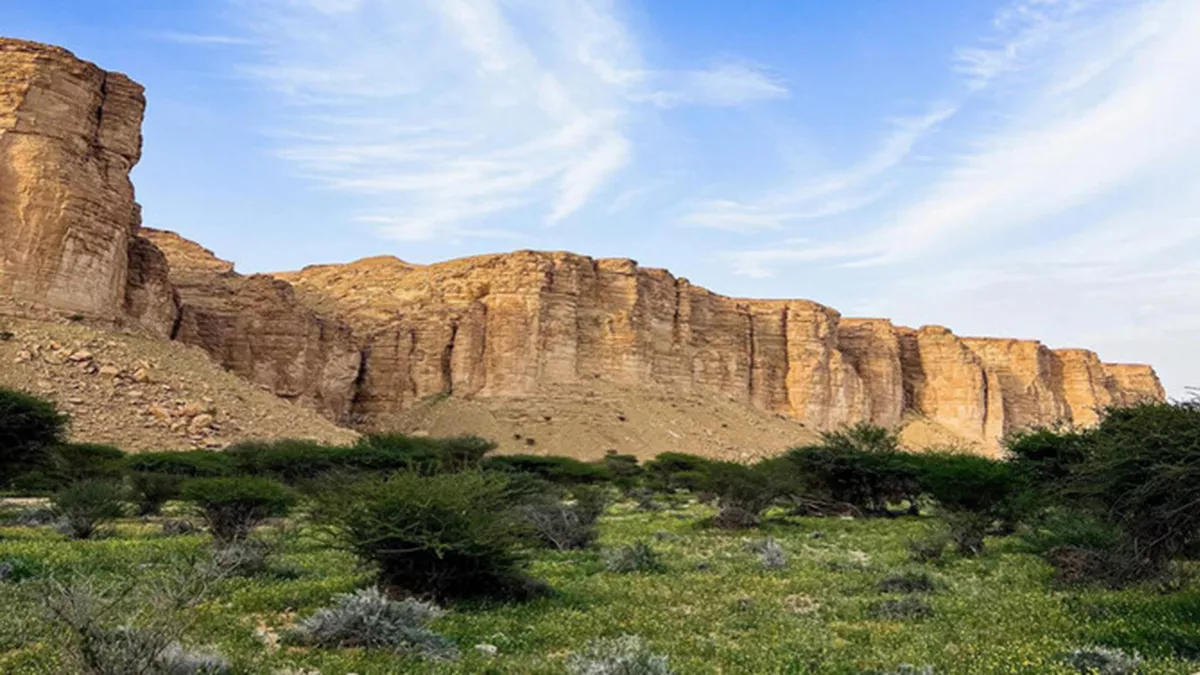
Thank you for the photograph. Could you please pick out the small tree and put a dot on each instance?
(743, 492)
(233, 507)
(447, 535)
(29, 428)
(84, 506)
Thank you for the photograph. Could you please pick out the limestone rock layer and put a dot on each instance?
(363, 341)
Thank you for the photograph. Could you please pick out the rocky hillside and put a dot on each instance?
(501, 339)
(143, 393)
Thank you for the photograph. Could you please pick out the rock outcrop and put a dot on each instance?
(364, 341)
(253, 326)
(69, 135)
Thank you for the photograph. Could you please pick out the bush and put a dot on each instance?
(85, 506)
(425, 456)
(1141, 474)
(866, 481)
(962, 482)
(624, 469)
(929, 548)
(907, 581)
(87, 461)
(773, 555)
(29, 428)
(566, 526)
(625, 655)
(637, 557)
(232, 507)
(187, 464)
(1045, 457)
(743, 492)
(1103, 661)
(967, 531)
(175, 660)
(672, 471)
(448, 535)
(909, 607)
(558, 470)
(150, 491)
(368, 619)
(14, 570)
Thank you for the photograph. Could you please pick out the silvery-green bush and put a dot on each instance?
(773, 555)
(368, 618)
(625, 655)
(1103, 661)
(637, 557)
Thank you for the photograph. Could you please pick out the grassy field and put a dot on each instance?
(716, 609)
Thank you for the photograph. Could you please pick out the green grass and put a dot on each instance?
(715, 610)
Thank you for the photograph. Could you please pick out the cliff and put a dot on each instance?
(365, 342)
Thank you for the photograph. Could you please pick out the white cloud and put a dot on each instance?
(437, 114)
(201, 39)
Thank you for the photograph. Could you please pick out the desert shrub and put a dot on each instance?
(558, 470)
(967, 530)
(743, 492)
(29, 428)
(963, 482)
(232, 507)
(14, 570)
(151, 491)
(369, 619)
(908, 607)
(561, 525)
(1141, 475)
(1103, 661)
(84, 507)
(624, 469)
(636, 557)
(867, 481)
(240, 558)
(929, 548)
(30, 517)
(625, 655)
(671, 471)
(388, 452)
(1045, 457)
(643, 499)
(773, 556)
(85, 461)
(907, 581)
(175, 527)
(287, 460)
(1085, 549)
(129, 628)
(186, 464)
(447, 535)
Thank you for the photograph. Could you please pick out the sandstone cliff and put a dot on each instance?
(505, 326)
(364, 342)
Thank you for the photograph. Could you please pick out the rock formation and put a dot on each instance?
(69, 135)
(253, 326)
(363, 341)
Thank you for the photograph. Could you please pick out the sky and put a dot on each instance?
(1019, 168)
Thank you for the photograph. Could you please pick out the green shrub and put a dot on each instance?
(85, 506)
(233, 507)
(287, 460)
(624, 469)
(929, 548)
(963, 482)
(839, 476)
(426, 456)
(907, 581)
(636, 557)
(743, 492)
(150, 491)
(369, 619)
(187, 464)
(772, 555)
(1141, 474)
(671, 471)
(447, 535)
(967, 530)
(558, 470)
(908, 607)
(29, 428)
(625, 655)
(566, 526)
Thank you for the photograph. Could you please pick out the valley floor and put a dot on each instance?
(715, 610)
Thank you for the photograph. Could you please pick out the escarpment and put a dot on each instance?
(365, 341)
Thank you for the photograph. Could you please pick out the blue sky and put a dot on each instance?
(1021, 167)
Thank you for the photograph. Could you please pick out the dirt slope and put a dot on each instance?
(142, 394)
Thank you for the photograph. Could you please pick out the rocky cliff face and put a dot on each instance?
(505, 325)
(364, 341)
(69, 135)
(253, 326)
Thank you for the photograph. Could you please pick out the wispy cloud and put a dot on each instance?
(201, 39)
(441, 114)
